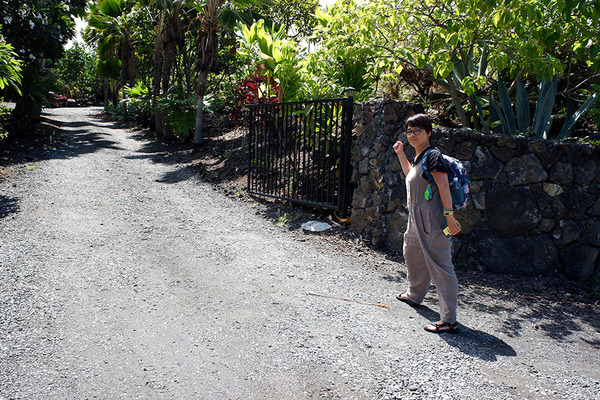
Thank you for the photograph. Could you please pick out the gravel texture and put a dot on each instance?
(124, 274)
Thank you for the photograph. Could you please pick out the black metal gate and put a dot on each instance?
(301, 152)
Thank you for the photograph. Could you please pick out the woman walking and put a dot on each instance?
(427, 251)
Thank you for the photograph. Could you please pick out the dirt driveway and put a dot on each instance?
(125, 276)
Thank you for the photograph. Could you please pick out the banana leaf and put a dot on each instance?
(112, 8)
(110, 68)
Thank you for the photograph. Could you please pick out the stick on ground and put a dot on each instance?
(345, 299)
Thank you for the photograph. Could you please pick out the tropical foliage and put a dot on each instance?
(481, 63)
(297, 17)
(462, 48)
(76, 75)
(37, 30)
(506, 121)
(10, 66)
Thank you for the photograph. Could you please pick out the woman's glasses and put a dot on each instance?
(413, 131)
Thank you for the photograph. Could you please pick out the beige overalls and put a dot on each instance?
(427, 251)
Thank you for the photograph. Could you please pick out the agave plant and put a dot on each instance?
(504, 120)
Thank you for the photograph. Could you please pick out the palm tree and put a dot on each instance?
(110, 29)
(208, 48)
(210, 14)
(170, 26)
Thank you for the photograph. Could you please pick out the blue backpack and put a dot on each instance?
(457, 178)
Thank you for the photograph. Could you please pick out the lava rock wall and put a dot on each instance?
(534, 206)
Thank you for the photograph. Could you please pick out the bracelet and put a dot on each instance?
(401, 158)
(448, 212)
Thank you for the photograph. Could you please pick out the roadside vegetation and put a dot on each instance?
(181, 66)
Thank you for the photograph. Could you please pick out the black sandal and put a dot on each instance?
(402, 297)
(442, 327)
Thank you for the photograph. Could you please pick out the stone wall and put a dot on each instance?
(534, 207)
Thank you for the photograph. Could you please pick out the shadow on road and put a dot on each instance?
(8, 206)
(556, 308)
(222, 158)
(54, 139)
(470, 341)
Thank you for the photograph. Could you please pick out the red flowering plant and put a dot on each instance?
(253, 90)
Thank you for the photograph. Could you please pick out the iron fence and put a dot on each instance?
(300, 151)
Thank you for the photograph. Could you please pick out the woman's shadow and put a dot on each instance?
(472, 342)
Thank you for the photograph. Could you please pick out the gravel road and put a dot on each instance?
(125, 277)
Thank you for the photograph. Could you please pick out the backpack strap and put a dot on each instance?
(430, 177)
(424, 164)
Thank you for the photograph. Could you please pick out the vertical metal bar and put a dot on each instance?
(331, 156)
(250, 141)
(335, 135)
(287, 155)
(322, 152)
(277, 150)
(275, 140)
(267, 165)
(257, 157)
(256, 145)
(269, 146)
(280, 152)
(314, 151)
(326, 169)
(327, 154)
(306, 149)
(345, 187)
(339, 119)
(288, 151)
(314, 157)
(296, 147)
(293, 149)
(327, 160)
(292, 152)
(276, 143)
(256, 148)
(283, 153)
(263, 148)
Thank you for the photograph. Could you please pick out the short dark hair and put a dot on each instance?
(419, 121)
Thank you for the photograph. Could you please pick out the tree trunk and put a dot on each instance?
(124, 105)
(158, 62)
(168, 61)
(187, 71)
(115, 95)
(208, 49)
(106, 92)
(202, 80)
(198, 138)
